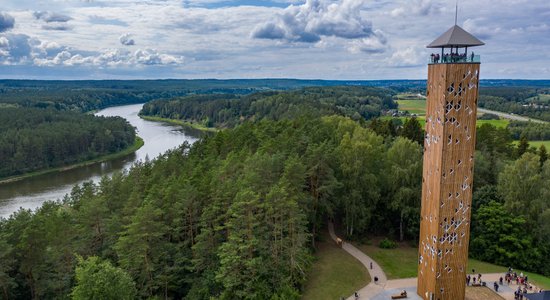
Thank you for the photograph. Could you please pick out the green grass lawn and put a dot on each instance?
(536, 144)
(334, 274)
(502, 123)
(397, 263)
(402, 262)
(422, 119)
(413, 106)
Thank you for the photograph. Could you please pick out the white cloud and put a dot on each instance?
(4, 42)
(408, 57)
(126, 40)
(111, 58)
(6, 22)
(478, 28)
(417, 8)
(343, 39)
(376, 43)
(314, 19)
(57, 26)
(17, 49)
(48, 17)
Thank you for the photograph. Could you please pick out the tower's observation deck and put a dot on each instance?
(452, 91)
(454, 45)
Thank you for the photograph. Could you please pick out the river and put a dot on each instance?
(32, 192)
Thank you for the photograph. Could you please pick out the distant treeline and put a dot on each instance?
(226, 110)
(32, 139)
(530, 130)
(90, 95)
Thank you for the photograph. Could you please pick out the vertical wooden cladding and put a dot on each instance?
(447, 180)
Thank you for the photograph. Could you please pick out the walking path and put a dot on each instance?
(372, 288)
(384, 288)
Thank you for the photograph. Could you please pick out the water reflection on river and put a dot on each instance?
(32, 192)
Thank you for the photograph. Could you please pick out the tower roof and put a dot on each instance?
(455, 36)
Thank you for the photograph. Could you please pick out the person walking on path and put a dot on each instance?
(371, 289)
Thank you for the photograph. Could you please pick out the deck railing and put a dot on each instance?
(448, 59)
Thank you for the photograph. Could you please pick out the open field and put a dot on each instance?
(412, 106)
(335, 274)
(537, 144)
(402, 262)
(502, 123)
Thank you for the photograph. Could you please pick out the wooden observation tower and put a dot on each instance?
(452, 91)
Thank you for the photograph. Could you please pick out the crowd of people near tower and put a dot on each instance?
(521, 280)
(524, 286)
(451, 57)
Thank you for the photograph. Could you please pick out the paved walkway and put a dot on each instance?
(372, 289)
(505, 291)
(384, 289)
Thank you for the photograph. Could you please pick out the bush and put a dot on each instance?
(387, 244)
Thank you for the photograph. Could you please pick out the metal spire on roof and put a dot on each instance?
(456, 37)
(456, 12)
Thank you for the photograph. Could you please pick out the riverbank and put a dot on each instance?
(180, 123)
(138, 143)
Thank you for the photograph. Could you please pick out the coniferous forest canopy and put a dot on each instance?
(228, 110)
(237, 215)
(34, 139)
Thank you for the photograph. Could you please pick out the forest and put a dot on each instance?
(237, 215)
(530, 130)
(227, 110)
(34, 139)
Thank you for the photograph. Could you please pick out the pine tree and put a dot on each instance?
(141, 246)
(413, 130)
(96, 279)
(523, 146)
(243, 257)
(543, 154)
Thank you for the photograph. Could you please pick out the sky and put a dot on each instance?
(306, 39)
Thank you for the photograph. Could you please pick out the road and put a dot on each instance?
(508, 116)
(501, 114)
